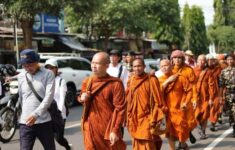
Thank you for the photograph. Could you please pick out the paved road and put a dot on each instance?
(220, 140)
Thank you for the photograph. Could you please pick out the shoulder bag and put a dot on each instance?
(56, 117)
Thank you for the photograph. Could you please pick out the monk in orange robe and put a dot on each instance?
(205, 91)
(216, 104)
(179, 67)
(221, 60)
(103, 97)
(141, 113)
(177, 93)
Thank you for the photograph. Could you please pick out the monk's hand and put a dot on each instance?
(152, 71)
(113, 138)
(194, 104)
(85, 96)
(172, 78)
(30, 120)
(210, 102)
(183, 106)
(221, 100)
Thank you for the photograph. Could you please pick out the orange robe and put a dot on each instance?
(106, 113)
(216, 107)
(188, 73)
(205, 91)
(139, 114)
(175, 94)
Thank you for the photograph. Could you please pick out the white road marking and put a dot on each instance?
(74, 125)
(219, 139)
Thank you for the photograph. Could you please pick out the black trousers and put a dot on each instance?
(43, 132)
(61, 139)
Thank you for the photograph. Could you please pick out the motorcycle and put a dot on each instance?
(10, 112)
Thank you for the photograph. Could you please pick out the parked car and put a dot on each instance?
(152, 64)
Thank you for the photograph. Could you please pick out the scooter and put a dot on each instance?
(10, 111)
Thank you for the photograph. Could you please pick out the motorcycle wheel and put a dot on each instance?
(9, 124)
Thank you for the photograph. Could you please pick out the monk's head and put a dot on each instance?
(201, 61)
(165, 66)
(211, 60)
(99, 64)
(138, 66)
(178, 57)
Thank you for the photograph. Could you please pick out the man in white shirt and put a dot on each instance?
(59, 97)
(35, 120)
(115, 69)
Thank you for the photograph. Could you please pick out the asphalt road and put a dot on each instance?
(220, 140)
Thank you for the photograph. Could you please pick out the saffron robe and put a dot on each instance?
(139, 115)
(188, 73)
(205, 91)
(106, 113)
(216, 107)
(175, 94)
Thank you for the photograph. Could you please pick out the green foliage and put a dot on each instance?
(218, 17)
(194, 30)
(223, 37)
(167, 27)
(161, 17)
(224, 12)
(26, 10)
(23, 11)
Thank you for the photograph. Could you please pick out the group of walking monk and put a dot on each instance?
(186, 97)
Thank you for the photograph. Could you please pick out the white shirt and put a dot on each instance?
(114, 71)
(59, 95)
(44, 84)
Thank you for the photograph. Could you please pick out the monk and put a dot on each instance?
(216, 104)
(179, 67)
(177, 93)
(104, 103)
(145, 107)
(205, 93)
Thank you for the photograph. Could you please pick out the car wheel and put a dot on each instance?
(70, 96)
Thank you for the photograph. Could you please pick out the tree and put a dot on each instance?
(224, 12)
(167, 23)
(219, 18)
(160, 17)
(194, 30)
(223, 37)
(24, 12)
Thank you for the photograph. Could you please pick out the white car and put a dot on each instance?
(152, 64)
(74, 70)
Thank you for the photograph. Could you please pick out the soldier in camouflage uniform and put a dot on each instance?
(227, 89)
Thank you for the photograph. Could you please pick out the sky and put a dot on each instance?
(206, 5)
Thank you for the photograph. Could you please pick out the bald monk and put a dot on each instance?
(140, 113)
(216, 104)
(103, 98)
(205, 91)
(177, 94)
(179, 67)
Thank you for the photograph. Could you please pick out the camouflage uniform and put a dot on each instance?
(227, 80)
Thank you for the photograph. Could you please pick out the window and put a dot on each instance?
(85, 65)
(79, 64)
(75, 64)
(63, 63)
